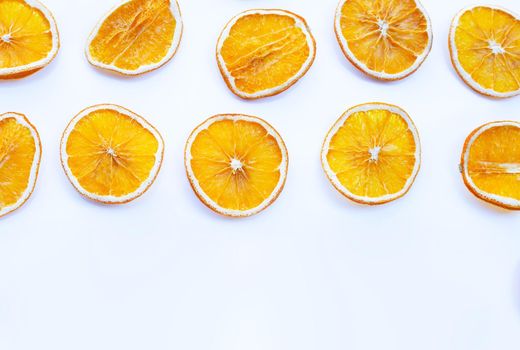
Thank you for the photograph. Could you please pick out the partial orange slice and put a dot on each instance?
(490, 163)
(137, 37)
(110, 154)
(29, 38)
(372, 154)
(236, 164)
(385, 39)
(485, 50)
(20, 154)
(262, 53)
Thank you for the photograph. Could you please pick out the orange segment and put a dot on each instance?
(20, 153)
(236, 164)
(136, 37)
(110, 154)
(263, 52)
(372, 153)
(385, 39)
(485, 50)
(28, 38)
(491, 163)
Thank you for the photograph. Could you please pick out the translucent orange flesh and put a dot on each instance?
(373, 153)
(494, 161)
(17, 150)
(138, 33)
(25, 35)
(386, 35)
(111, 154)
(488, 47)
(236, 163)
(264, 51)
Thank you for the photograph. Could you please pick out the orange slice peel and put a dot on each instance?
(29, 45)
(387, 40)
(490, 163)
(136, 37)
(110, 154)
(20, 155)
(484, 45)
(372, 154)
(263, 52)
(236, 164)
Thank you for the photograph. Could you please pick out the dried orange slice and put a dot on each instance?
(236, 164)
(372, 154)
(490, 163)
(20, 154)
(110, 154)
(485, 50)
(385, 39)
(137, 37)
(29, 38)
(262, 53)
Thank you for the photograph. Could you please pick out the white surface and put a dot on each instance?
(437, 269)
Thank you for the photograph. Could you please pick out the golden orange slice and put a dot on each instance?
(385, 39)
(20, 154)
(29, 38)
(372, 154)
(110, 154)
(490, 163)
(137, 37)
(485, 50)
(262, 53)
(236, 164)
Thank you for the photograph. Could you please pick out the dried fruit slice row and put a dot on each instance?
(236, 164)
(110, 154)
(20, 155)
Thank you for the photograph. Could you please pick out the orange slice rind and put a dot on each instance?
(236, 164)
(490, 163)
(484, 45)
(110, 154)
(372, 154)
(136, 37)
(264, 52)
(29, 38)
(20, 155)
(387, 40)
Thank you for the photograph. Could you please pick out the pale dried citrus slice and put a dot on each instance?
(490, 163)
(29, 38)
(372, 154)
(110, 154)
(385, 39)
(262, 53)
(485, 50)
(136, 37)
(236, 164)
(20, 154)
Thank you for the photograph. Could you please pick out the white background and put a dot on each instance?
(437, 269)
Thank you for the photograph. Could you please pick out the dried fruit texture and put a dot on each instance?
(263, 52)
(110, 154)
(485, 50)
(137, 37)
(28, 38)
(385, 39)
(236, 164)
(491, 163)
(372, 153)
(20, 153)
